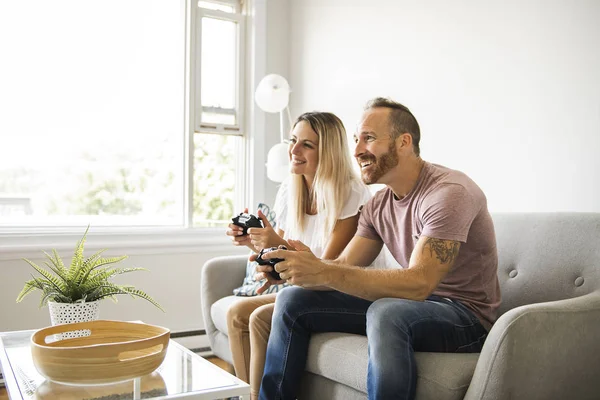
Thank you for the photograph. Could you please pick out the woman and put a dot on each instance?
(318, 205)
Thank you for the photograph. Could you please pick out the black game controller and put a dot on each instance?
(270, 262)
(247, 221)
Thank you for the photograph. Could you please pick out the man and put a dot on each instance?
(436, 224)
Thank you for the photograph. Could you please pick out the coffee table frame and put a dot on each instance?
(237, 387)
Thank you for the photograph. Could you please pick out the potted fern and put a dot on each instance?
(73, 293)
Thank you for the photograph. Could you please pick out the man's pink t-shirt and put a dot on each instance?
(444, 204)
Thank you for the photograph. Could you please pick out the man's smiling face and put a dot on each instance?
(375, 149)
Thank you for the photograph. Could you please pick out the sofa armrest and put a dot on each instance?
(542, 351)
(220, 276)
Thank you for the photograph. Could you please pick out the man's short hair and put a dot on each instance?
(401, 120)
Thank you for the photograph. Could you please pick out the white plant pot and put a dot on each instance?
(67, 313)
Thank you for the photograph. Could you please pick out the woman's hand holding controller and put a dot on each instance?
(262, 238)
(237, 236)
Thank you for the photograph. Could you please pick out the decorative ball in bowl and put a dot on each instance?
(111, 351)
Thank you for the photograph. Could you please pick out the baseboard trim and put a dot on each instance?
(201, 350)
(199, 332)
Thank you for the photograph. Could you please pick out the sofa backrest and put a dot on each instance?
(546, 256)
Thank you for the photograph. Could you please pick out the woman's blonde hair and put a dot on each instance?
(333, 179)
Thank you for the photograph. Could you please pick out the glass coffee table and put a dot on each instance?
(182, 374)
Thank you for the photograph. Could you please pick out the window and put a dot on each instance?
(93, 113)
(218, 116)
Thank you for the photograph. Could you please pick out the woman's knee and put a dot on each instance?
(261, 318)
(238, 314)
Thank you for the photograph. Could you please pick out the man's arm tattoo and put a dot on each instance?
(445, 250)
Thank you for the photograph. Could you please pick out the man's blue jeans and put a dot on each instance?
(395, 328)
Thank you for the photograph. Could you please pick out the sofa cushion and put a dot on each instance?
(343, 358)
(546, 256)
(218, 312)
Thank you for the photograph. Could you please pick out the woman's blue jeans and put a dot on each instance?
(395, 329)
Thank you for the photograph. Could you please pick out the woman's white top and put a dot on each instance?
(312, 235)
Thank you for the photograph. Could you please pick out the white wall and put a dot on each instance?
(277, 58)
(506, 91)
(267, 30)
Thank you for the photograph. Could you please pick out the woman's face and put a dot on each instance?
(304, 150)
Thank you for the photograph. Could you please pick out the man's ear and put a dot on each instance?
(404, 141)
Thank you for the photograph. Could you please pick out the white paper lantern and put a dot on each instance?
(272, 93)
(278, 163)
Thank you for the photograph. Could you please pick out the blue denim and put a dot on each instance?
(395, 328)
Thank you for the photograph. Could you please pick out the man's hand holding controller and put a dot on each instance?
(296, 265)
(272, 261)
(266, 268)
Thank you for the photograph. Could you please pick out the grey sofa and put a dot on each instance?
(545, 345)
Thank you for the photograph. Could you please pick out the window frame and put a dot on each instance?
(208, 127)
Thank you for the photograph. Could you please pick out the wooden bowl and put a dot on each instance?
(113, 351)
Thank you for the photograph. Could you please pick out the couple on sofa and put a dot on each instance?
(435, 223)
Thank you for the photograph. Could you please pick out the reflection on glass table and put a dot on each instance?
(182, 374)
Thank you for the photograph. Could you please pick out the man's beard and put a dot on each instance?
(380, 165)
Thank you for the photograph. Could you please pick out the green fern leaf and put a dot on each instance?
(109, 290)
(109, 273)
(90, 260)
(142, 294)
(29, 287)
(59, 273)
(49, 277)
(88, 265)
(127, 289)
(91, 286)
(48, 291)
(95, 292)
(77, 261)
(100, 263)
(106, 261)
(58, 261)
(50, 295)
(110, 295)
(106, 289)
(64, 272)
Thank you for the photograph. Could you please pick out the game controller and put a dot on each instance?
(270, 262)
(246, 221)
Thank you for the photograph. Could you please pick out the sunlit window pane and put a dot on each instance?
(218, 118)
(215, 169)
(92, 105)
(218, 66)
